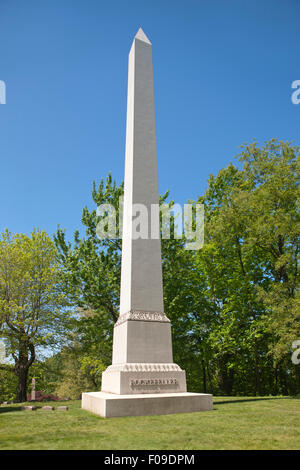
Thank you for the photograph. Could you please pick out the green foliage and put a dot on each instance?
(79, 372)
(32, 303)
(8, 385)
(234, 304)
(47, 374)
(250, 260)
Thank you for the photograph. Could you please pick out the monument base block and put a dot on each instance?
(109, 405)
(135, 379)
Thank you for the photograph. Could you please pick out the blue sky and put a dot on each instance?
(222, 71)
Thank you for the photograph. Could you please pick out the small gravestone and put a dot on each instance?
(63, 408)
(48, 408)
(29, 408)
(33, 390)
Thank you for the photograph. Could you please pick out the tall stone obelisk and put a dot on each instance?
(141, 279)
(142, 378)
(142, 335)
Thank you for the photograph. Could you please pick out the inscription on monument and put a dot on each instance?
(135, 382)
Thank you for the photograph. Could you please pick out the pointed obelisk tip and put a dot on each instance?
(142, 36)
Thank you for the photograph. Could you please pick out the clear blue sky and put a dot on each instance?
(223, 73)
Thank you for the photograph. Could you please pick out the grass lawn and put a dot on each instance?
(235, 423)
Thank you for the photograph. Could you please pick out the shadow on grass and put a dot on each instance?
(8, 409)
(239, 400)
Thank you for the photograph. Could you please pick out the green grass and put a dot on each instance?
(235, 423)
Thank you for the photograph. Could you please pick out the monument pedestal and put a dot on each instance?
(132, 379)
(109, 405)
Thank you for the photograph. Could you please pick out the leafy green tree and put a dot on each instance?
(47, 373)
(8, 384)
(273, 206)
(79, 372)
(92, 268)
(32, 305)
(251, 257)
(234, 304)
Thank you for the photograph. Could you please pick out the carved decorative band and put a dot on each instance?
(143, 367)
(142, 316)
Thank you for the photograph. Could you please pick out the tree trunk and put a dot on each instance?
(204, 377)
(23, 363)
(225, 375)
(209, 380)
(22, 383)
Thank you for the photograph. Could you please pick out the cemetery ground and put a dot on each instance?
(235, 423)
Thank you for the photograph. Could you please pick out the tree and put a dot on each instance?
(33, 311)
(251, 258)
(234, 304)
(92, 271)
(273, 207)
(8, 384)
(79, 373)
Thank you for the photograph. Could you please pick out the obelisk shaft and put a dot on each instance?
(141, 278)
